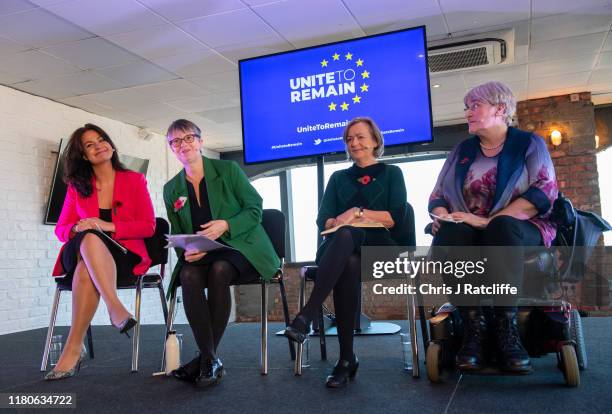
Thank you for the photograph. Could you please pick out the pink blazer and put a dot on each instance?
(132, 213)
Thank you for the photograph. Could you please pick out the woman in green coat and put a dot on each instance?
(369, 191)
(213, 198)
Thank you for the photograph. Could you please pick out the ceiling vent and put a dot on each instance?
(466, 55)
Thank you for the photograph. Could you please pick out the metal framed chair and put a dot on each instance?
(159, 256)
(309, 274)
(273, 222)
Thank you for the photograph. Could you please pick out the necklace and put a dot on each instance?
(492, 148)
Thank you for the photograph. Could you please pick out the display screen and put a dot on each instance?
(296, 104)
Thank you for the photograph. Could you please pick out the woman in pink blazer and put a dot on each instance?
(102, 197)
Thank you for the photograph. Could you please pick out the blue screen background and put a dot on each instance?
(397, 97)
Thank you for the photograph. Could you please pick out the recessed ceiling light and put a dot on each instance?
(436, 85)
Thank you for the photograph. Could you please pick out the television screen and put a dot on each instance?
(297, 103)
(58, 187)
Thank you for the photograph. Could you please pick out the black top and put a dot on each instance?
(106, 214)
(200, 213)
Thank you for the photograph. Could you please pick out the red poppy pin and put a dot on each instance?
(179, 203)
(464, 161)
(365, 179)
(116, 205)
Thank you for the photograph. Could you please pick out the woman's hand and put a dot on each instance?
(93, 223)
(471, 219)
(441, 212)
(214, 229)
(348, 216)
(194, 255)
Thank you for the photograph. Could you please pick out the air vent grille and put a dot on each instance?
(459, 59)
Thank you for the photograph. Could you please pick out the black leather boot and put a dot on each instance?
(512, 356)
(470, 357)
(342, 372)
(211, 372)
(298, 330)
(188, 372)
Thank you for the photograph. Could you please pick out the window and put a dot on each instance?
(304, 195)
(269, 189)
(420, 178)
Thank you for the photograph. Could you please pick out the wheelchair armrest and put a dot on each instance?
(428, 229)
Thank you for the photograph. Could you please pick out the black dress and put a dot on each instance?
(201, 214)
(125, 262)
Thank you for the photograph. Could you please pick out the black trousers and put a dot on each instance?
(504, 264)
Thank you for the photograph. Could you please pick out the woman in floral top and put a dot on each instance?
(500, 186)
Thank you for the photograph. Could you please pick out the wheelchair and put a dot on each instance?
(545, 326)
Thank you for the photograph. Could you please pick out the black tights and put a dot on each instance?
(339, 269)
(208, 314)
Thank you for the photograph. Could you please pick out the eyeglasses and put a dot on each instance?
(188, 139)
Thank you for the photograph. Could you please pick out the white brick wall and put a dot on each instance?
(30, 130)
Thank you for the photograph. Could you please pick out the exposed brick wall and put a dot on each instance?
(576, 169)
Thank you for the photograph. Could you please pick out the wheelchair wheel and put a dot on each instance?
(577, 335)
(569, 365)
(433, 361)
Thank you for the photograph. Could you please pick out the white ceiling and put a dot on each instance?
(148, 62)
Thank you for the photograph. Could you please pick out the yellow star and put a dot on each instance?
(359, 62)
(332, 106)
(344, 106)
(365, 74)
(364, 87)
(356, 99)
(349, 56)
(324, 63)
(336, 56)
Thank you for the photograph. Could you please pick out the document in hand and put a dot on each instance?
(362, 225)
(193, 242)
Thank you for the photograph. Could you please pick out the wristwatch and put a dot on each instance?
(359, 214)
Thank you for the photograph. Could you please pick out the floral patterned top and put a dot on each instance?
(469, 181)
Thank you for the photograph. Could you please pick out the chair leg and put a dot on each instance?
(136, 337)
(264, 328)
(322, 342)
(413, 334)
(169, 323)
(297, 369)
(162, 297)
(45, 358)
(90, 349)
(281, 285)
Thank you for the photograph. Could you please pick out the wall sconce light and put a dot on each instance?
(556, 137)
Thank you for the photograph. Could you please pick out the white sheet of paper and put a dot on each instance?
(447, 219)
(191, 242)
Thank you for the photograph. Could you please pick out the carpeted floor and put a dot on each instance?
(106, 385)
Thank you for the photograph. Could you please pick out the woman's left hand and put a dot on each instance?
(471, 219)
(214, 229)
(96, 223)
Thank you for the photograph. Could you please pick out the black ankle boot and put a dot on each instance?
(512, 356)
(211, 372)
(298, 330)
(343, 371)
(470, 357)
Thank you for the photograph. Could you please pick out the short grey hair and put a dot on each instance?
(374, 131)
(185, 126)
(494, 93)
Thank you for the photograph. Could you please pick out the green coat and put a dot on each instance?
(232, 198)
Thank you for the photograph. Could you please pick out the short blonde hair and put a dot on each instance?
(494, 93)
(374, 131)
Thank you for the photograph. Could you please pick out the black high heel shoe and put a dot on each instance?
(342, 373)
(297, 331)
(126, 326)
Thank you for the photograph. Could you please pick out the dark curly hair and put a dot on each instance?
(77, 170)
